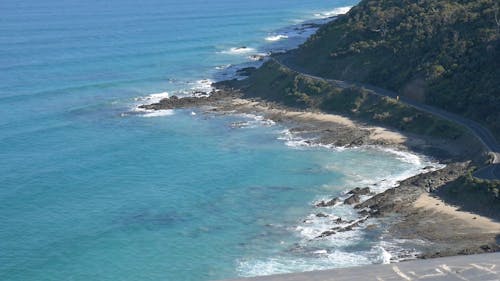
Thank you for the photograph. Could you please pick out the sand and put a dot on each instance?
(445, 229)
(376, 134)
(436, 205)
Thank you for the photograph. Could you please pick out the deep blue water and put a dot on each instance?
(91, 190)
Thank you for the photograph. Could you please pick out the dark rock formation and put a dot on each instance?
(353, 199)
(247, 71)
(328, 203)
(197, 99)
(360, 191)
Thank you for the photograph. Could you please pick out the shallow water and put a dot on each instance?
(91, 189)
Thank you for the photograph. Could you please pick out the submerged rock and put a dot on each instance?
(351, 225)
(246, 71)
(364, 212)
(329, 203)
(198, 98)
(257, 57)
(360, 191)
(353, 199)
(326, 234)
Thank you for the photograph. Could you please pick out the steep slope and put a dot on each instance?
(442, 52)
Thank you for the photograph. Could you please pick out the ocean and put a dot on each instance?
(91, 188)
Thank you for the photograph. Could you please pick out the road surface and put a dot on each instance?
(485, 267)
(489, 172)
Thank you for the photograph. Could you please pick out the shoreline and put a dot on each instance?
(419, 208)
(417, 215)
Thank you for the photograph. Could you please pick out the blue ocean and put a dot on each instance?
(93, 189)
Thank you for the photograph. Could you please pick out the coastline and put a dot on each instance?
(410, 209)
(419, 208)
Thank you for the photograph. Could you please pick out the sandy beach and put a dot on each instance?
(433, 204)
(415, 213)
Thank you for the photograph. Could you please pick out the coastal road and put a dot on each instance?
(488, 172)
(485, 267)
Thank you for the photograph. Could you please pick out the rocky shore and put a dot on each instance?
(415, 210)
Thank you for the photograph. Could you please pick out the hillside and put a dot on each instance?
(274, 82)
(442, 52)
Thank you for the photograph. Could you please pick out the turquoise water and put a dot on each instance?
(92, 190)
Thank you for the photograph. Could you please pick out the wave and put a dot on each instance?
(198, 88)
(258, 56)
(202, 87)
(225, 66)
(380, 183)
(294, 141)
(398, 250)
(254, 122)
(229, 72)
(276, 37)
(334, 12)
(153, 98)
(238, 50)
(287, 264)
(324, 219)
(417, 163)
(158, 113)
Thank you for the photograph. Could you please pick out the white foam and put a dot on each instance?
(334, 12)
(385, 256)
(158, 113)
(285, 264)
(321, 252)
(238, 51)
(150, 99)
(278, 37)
(397, 250)
(258, 57)
(404, 156)
(294, 141)
(221, 67)
(376, 177)
(202, 86)
(378, 182)
(153, 98)
(253, 121)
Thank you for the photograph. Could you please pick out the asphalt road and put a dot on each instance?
(489, 172)
(485, 267)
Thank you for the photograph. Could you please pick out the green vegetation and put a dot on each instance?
(442, 52)
(473, 193)
(276, 83)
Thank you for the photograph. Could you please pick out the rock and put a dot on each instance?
(246, 71)
(198, 93)
(321, 215)
(338, 220)
(347, 228)
(326, 234)
(353, 199)
(360, 191)
(257, 57)
(198, 98)
(328, 203)
(364, 212)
